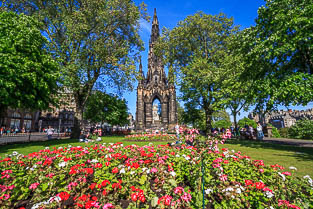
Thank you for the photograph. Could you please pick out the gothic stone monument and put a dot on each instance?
(155, 87)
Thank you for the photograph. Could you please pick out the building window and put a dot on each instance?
(16, 115)
(28, 116)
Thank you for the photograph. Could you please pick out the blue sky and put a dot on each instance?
(171, 12)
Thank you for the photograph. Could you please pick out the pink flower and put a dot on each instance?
(261, 170)
(186, 197)
(107, 206)
(33, 186)
(286, 173)
(216, 165)
(154, 170)
(178, 190)
(6, 196)
(223, 177)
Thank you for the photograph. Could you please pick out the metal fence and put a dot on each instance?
(27, 137)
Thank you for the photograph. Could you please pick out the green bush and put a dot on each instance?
(284, 132)
(303, 129)
(222, 124)
(246, 121)
(275, 132)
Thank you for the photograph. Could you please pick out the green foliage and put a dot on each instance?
(97, 42)
(246, 121)
(303, 129)
(102, 107)
(284, 132)
(222, 124)
(278, 51)
(28, 74)
(275, 132)
(196, 49)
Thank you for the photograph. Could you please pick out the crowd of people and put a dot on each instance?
(7, 131)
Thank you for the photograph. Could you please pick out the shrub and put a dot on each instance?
(275, 132)
(284, 132)
(246, 121)
(303, 129)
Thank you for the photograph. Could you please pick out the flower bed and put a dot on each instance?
(150, 137)
(114, 176)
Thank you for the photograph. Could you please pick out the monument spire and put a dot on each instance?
(155, 32)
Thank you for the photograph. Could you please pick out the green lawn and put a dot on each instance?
(26, 148)
(285, 155)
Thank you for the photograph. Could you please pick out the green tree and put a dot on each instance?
(246, 121)
(28, 74)
(303, 129)
(236, 90)
(97, 42)
(196, 49)
(102, 107)
(279, 52)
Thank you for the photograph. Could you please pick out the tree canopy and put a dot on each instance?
(28, 74)
(102, 107)
(196, 49)
(97, 42)
(278, 51)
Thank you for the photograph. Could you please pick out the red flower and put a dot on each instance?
(115, 170)
(107, 164)
(142, 198)
(64, 195)
(92, 186)
(259, 185)
(248, 182)
(134, 197)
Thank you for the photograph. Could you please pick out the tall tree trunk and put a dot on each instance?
(208, 120)
(235, 122)
(78, 123)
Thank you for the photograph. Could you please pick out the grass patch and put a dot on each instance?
(26, 148)
(285, 155)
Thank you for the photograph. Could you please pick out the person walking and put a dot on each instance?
(260, 134)
(49, 133)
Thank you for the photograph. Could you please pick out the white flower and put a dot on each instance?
(69, 146)
(47, 148)
(60, 147)
(177, 155)
(62, 164)
(122, 170)
(173, 173)
(232, 151)
(111, 143)
(148, 171)
(269, 194)
(94, 161)
(150, 144)
(144, 169)
(229, 189)
(282, 175)
(208, 191)
(132, 172)
(238, 191)
(187, 158)
(307, 176)
(14, 153)
(292, 168)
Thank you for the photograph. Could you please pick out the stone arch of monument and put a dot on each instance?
(155, 85)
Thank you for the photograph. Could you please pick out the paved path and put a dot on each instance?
(295, 142)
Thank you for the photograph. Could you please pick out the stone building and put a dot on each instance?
(20, 119)
(281, 118)
(155, 87)
(61, 117)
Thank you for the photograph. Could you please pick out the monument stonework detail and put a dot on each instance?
(155, 87)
